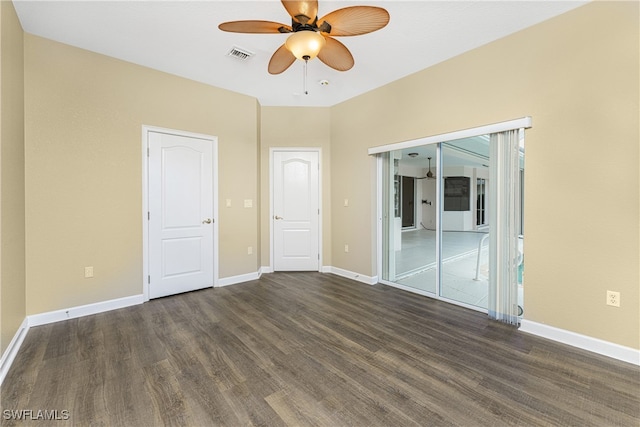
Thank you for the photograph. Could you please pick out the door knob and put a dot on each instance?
(277, 217)
(207, 221)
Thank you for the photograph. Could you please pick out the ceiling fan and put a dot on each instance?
(430, 175)
(310, 36)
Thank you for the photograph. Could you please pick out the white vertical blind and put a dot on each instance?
(504, 215)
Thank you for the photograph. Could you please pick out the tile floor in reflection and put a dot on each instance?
(416, 268)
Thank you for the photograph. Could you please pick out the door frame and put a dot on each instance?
(145, 200)
(273, 150)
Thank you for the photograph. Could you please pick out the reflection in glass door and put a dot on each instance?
(409, 254)
(481, 185)
(408, 202)
(450, 253)
(447, 254)
(465, 243)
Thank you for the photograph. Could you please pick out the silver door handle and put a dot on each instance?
(277, 217)
(207, 221)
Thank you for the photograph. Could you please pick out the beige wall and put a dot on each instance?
(12, 228)
(295, 127)
(353, 177)
(84, 118)
(577, 76)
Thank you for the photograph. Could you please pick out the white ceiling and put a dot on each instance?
(182, 38)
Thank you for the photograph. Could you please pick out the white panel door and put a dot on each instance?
(180, 214)
(296, 211)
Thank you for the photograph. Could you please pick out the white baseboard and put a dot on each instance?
(241, 278)
(369, 280)
(11, 351)
(83, 310)
(595, 345)
(57, 316)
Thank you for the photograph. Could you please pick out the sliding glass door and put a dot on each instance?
(464, 242)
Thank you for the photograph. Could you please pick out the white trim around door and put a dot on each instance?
(146, 130)
(273, 150)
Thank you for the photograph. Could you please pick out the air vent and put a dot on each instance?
(241, 54)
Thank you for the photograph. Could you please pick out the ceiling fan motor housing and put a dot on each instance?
(313, 26)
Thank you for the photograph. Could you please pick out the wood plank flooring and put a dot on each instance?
(310, 349)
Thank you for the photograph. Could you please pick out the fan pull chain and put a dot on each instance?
(306, 65)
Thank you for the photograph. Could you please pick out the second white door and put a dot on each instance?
(296, 211)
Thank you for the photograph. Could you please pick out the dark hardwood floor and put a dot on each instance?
(310, 349)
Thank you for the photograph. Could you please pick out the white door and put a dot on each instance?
(180, 214)
(296, 213)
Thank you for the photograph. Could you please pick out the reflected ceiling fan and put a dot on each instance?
(311, 37)
(430, 175)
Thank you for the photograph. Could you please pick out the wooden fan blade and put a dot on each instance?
(355, 20)
(255, 27)
(336, 55)
(281, 60)
(304, 12)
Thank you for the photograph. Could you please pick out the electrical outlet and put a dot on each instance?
(88, 272)
(250, 250)
(346, 248)
(613, 298)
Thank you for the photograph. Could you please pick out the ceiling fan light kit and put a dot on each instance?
(305, 45)
(310, 40)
